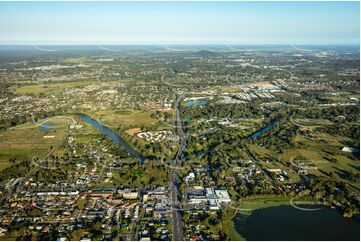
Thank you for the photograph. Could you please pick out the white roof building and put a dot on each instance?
(223, 196)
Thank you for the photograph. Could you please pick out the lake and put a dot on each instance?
(111, 134)
(288, 223)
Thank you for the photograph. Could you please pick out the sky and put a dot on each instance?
(41, 23)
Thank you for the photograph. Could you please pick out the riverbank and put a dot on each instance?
(111, 134)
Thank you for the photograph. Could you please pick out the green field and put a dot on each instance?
(319, 149)
(127, 119)
(26, 141)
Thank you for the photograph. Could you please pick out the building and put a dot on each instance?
(222, 196)
(213, 205)
(127, 194)
(197, 199)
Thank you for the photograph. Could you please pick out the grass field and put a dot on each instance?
(321, 146)
(25, 141)
(127, 119)
(320, 149)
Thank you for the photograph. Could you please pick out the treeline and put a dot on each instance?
(334, 114)
(223, 111)
(352, 131)
(22, 119)
(334, 193)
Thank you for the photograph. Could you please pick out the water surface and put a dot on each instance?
(46, 127)
(263, 130)
(288, 223)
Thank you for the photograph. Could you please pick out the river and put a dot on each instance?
(111, 134)
(288, 223)
(263, 130)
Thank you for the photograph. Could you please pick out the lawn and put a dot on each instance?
(318, 148)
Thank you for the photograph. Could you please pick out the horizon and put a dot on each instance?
(191, 44)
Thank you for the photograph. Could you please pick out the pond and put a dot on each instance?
(288, 223)
(111, 134)
(46, 127)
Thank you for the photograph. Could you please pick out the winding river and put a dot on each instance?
(111, 134)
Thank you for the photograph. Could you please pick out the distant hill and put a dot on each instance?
(205, 53)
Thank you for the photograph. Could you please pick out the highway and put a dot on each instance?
(177, 219)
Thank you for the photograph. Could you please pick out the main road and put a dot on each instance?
(174, 180)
